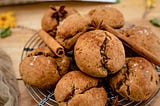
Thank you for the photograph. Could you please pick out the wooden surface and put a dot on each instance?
(30, 17)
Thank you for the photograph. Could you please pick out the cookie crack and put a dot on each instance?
(88, 89)
(123, 81)
(73, 92)
(70, 95)
(104, 59)
(40, 53)
(126, 77)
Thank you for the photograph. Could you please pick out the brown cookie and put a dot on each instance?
(41, 69)
(109, 15)
(53, 16)
(137, 80)
(98, 53)
(77, 89)
(143, 41)
(70, 29)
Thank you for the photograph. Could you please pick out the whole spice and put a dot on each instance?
(96, 25)
(60, 13)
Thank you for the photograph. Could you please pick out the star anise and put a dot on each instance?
(62, 12)
(59, 13)
(96, 25)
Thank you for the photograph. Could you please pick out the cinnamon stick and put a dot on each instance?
(140, 50)
(51, 43)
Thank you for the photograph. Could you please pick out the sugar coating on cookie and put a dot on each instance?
(137, 80)
(41, 69)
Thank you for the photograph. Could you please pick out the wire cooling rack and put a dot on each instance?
(46, 97)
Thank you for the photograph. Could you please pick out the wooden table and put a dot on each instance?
(30, 16)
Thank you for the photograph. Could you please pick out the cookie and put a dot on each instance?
(53, 16)
(108, 15)
(42, 69)
(137, 80)
(143, 41)
(70, 29)
(78, 89)
(98, 53)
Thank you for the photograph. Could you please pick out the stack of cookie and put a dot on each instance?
(100, 48)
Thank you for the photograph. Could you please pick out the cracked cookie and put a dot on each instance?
(78, 89)
(41, 68)
(137, 80)
(98, 53)
(109, 15)
(53, 16)
(70, 29)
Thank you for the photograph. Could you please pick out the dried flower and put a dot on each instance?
(7, 20)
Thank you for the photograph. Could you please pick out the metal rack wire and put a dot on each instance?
(46, 97)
